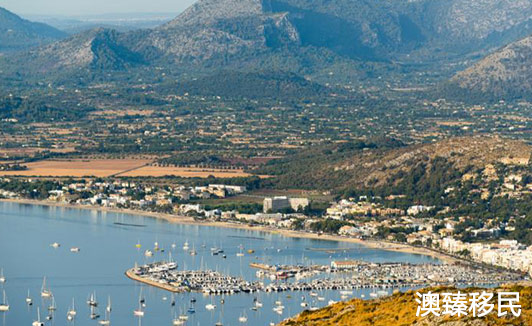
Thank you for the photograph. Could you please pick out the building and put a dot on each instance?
(344, 264)
(275, 204)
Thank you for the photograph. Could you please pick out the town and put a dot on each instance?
(364, 218)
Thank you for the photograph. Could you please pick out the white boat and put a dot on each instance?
(139, 312)
(55, 245)
(331, 302)
(94, 313)
(52, 306)
(2, 277)
(45, 293)
(106, 321)
(193, 252)
(74, 249)
(29, 300)
(92, 302)
(148, 253)
(243, 318)
(321, 299)
(38, 322)
(313, 294)
(183, 317)
(173, 245)
(72, 310)
(185, 246)
(258, 304)
(109, 308)
(304, 304)
(240, 254)
(177, 322)
(4, 305)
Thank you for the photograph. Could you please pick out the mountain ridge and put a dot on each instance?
(17, 33)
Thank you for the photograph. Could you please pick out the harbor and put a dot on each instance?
(256, 276)
(338, 276)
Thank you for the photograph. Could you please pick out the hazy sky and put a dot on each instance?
(89, 7)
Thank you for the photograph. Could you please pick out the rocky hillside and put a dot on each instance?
(505, 74)
(18, 34)
(304, 36)
(97, 49)
(400, 309)
(375, 164)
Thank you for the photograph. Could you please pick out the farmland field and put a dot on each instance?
(78, 167)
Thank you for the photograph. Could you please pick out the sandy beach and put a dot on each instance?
(374, 244)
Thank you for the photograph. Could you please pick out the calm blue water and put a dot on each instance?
(108, 250)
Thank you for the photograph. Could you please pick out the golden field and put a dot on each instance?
(132, 167)
(78, 168)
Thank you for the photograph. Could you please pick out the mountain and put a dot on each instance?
(98, 49)
(505, 74)
(307, 37)
(17, 33)
(400, 309)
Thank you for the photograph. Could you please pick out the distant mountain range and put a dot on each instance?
(18, 34)
(306, 37)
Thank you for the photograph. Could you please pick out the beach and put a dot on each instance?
(180, 219)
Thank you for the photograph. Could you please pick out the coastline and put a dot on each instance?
(179, 219)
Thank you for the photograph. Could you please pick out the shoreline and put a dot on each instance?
(178, 219)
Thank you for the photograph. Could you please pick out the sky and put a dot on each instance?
(93, 7)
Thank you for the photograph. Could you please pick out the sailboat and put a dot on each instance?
(45, 293)
(183, 316)
(4, 306)
(38, 322)
(193, 252)
(107, 320)
(108, 308)
(92, 300)
(185, 246)
(139, 312)
(2, 277)
(52, 306)
(72, 310)
(29, 300)
(71, 313)
(177, 321)
(94, 313)
(240, 254)
(243, 318)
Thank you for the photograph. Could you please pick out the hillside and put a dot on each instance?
(98, 49)
(18, 34)
(301, 36)
(400, 309)
(376, 165)
(505, 74)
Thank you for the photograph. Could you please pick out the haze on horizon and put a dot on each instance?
(93, 7)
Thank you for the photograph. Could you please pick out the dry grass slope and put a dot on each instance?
(400, 309)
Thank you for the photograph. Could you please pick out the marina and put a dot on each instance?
(55, 293)
(350, 276)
